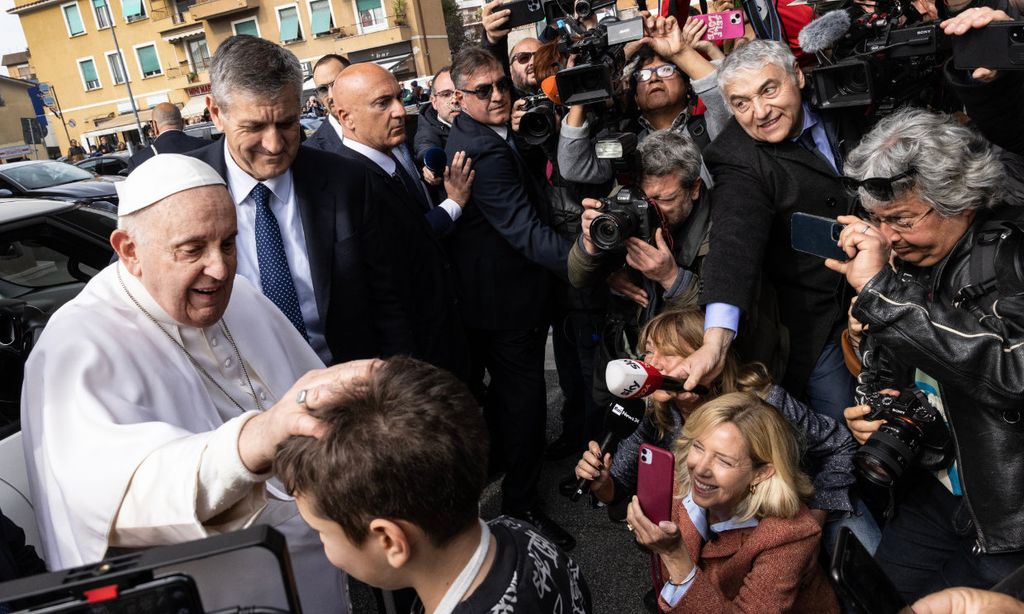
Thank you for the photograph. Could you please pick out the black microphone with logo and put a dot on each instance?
(620, 421)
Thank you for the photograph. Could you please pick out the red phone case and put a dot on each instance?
(655, 482)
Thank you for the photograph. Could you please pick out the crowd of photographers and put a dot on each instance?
(821, 249)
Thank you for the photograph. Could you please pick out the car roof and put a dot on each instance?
(14, 209)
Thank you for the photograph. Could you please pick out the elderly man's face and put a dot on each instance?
(369, 104)
(918, 234)
(521, 64)
(185, 256)
(494, 109)
(673, 197)
(660, 93)
(323, 77)
(443, 99)
(766, 103)
(262, 133)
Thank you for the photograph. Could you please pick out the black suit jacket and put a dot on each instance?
(171, 141)
(325, 139)
(353, 283)
(503, 250)
(758, 187)
(423, 272)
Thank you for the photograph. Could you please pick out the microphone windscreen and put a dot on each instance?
(824, 31)
(631, 379)
(550, 89)
(435, 159)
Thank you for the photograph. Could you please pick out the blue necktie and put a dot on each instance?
(275, 277)
(412, 185)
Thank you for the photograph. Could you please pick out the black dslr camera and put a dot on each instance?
(913, 430)
(628, 214)
(539, 121)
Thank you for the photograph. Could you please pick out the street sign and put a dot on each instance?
(44, 88)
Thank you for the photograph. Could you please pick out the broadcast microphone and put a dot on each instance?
(435, 159)
(824, 31)
(633, 379)
(550, 89)
(620, 421)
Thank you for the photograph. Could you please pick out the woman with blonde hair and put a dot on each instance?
(741, 538)
(826, 446)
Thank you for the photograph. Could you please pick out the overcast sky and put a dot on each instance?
(11, 37)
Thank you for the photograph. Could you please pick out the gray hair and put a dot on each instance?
(954, 168)
(665, 152)
(256, 67)
(754, 56)
(469, 60)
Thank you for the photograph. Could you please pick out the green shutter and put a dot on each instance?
(289, 25)
(321, 16)
(99, 3)
(367, 5)
(149, 61)
(132, 8)
(74, 19)
(89, 71)
(246, 27)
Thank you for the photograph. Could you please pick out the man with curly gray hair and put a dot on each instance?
(948, 316)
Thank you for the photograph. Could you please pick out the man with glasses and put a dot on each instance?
(329, 136)
(505, 254)
(777, 157)
(436, 117)
(936, 268)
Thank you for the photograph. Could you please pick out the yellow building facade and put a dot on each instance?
(20, 135)
(166, 45)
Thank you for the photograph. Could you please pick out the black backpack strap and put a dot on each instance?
(697, 127)
(981, 273)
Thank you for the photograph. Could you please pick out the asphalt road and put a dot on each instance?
(617, 572)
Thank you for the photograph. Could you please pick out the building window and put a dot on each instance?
(73, 19)
(288, 21)
(101, 12)
(133, 10)
(149, 63)
(321, 20)
(198, 54)
(246, 26)
(90, 79)
(117, 70)
(370, 15)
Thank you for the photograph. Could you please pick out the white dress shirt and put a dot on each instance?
(286, 211)
(387, 164)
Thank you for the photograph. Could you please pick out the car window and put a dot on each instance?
(35, 258)
(89, 165)
(46, 174)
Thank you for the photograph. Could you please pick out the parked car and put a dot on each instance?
(57, 180)
(110, 164)
(49, 250)
(203, 130)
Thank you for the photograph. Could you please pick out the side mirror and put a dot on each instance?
(4, 192)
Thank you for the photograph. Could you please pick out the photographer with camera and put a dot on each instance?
(948, 317)
(665, 248)
(666, 67)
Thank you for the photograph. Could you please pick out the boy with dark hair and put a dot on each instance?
(393, 486)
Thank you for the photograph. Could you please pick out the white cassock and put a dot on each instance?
(127, 443)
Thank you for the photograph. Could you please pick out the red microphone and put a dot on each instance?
(633, 379)
(550, 89)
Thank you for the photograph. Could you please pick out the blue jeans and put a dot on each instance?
(860, 521)
(830, 387)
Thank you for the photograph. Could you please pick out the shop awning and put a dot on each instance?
(393, 63)
(194, 107)
(177, 36)
(121, 123)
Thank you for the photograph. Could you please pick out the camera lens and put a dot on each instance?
(536, 125)
(887, 454)
(610, 231)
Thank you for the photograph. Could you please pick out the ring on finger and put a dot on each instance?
(301, 397)
(630, 527)
(864, 229)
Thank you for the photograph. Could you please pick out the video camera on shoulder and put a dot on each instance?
(597, 75)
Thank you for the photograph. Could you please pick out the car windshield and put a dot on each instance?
(45, 174)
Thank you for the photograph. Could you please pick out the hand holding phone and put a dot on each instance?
(726, 25)
(655, 482)
(816, 235)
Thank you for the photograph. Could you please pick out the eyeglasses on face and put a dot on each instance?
(483, 92)
(879, 188)
(901, 223)
(445, 93)
(523, 57)
(322, 90)
(665, 71)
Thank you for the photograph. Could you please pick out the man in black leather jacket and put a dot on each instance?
(931, 187)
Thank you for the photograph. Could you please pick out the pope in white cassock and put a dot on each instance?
(155, 400)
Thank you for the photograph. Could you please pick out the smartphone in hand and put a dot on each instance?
(655, 482)
(726, 25)
(816, 235)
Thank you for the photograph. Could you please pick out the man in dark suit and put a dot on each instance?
(775, 158)
(368, 105)
(328, 136)
(307, 233)
(168, 126)
(504, 254)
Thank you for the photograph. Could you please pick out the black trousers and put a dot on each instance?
(515, 407)
(926, 546)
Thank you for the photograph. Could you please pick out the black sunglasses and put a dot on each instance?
(879, 188)
(484, 92)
